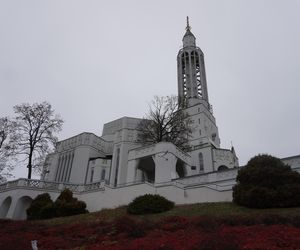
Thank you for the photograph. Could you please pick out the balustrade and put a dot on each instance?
(94, 186)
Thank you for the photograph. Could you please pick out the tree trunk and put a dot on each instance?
(29, 172)
(29, 166)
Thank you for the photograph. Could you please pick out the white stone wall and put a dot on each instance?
(224, 157)
(69, 163)
(293, 161)
(203, 124)
(16, 196)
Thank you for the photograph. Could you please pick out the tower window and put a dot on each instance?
(199, 131)
(199, 120)
(213, 136)
(201, 165)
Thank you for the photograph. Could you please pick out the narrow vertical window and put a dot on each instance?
(58, 168)
(70, 169)
(103, 174)
(92, 175)
(201, 165)
(61, 168)
(117, 166)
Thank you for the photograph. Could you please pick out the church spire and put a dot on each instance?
(188, 39)
(188, 27)
(192, 86)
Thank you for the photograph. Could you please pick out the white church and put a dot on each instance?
(112, 169)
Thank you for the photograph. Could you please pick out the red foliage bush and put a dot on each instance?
(173, 223)
(170, 233)
(207, 224)
(218, 240)
(130, 227)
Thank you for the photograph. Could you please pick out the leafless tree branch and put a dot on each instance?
(165, 121)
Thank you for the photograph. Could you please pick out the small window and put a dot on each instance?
(199, 131)
(213, 136)
(199, 120)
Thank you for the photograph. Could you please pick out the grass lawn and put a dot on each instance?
(216, 209)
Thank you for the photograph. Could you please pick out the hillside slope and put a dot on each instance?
(198, 226)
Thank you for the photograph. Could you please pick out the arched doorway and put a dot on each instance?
(147, 166)
(20, 210)
(180, 169)
(5, 207)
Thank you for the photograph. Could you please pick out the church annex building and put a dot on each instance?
(112, 169)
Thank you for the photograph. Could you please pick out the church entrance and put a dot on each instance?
(147, 166)
(180, 169)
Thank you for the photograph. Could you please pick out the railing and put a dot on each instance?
(54, 186)
(94, 186)
(212, 178)
(73, 187)
(47, 185)
(130, 184)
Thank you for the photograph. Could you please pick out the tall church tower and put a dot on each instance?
(191, 71)
(192, 92)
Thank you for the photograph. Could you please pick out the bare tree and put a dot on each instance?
(6, 149)
(165, 122)
(35, 128)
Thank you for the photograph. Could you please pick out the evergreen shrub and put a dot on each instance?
(148, 204)
(34, 212)
(42, 207)
(267, 182)
(67, 205)
(48, 212)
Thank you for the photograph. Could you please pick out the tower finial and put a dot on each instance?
(188, 27)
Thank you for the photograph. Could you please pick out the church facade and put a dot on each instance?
(116, 158)
(112, 169)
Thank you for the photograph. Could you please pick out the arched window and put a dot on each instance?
(222, 168)
(201, 164)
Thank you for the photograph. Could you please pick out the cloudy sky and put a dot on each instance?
(96, 61)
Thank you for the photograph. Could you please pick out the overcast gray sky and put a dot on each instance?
(96, 61)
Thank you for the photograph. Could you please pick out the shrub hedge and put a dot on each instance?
(267, 182)
(34, 212)
(148, 204)
(66, 204)
(42, 207)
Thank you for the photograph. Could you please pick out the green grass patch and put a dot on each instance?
(216, 209)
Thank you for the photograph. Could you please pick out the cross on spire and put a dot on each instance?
(188, 27)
